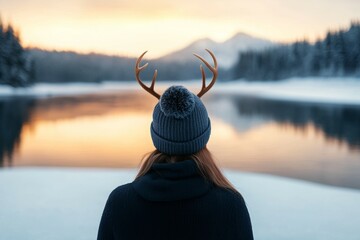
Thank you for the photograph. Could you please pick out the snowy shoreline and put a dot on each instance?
(319, 90)
(66, 203)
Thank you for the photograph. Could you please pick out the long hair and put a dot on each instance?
(203, 159)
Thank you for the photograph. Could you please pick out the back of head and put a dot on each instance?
(181, 127)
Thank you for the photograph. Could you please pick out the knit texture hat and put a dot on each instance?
(180, 125)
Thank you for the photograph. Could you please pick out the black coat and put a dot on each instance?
(173, 201)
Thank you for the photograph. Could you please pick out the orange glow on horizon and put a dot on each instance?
(128, 27)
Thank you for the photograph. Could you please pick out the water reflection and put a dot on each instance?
(316, 142)
(14, 114)
(338, 123)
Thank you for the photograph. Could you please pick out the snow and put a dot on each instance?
(63, 89)
(66, 203)
(321, 90)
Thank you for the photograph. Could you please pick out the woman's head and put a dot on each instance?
(181, 126)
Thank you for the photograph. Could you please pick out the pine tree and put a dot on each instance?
(15, 66)
(338, 54)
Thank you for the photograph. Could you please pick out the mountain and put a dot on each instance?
(65, 66)
(226, 52)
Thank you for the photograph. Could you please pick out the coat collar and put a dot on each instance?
(171, 182)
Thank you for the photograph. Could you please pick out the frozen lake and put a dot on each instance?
(300, 129)
(306, 130)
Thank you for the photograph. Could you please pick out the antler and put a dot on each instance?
(214, 70)
(138, 69)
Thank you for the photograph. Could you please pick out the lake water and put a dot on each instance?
(312, 141)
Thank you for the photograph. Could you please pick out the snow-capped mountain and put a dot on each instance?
(226, 52)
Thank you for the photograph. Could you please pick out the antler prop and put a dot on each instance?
(214, 70)
(138, 69)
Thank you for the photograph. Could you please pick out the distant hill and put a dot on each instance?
(226, 52)
(67, 66)
(240, 57)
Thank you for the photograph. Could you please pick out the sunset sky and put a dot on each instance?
(127, 27)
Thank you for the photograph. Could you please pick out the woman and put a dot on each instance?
(179, 192)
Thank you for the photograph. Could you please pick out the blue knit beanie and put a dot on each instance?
(180, 125)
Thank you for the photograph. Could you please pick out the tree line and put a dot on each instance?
(16, 68)
(338, 54)
(65, 66)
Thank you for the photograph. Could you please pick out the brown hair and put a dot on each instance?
(203, 159)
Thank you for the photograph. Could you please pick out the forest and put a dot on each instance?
(65, 66)
(338, 54)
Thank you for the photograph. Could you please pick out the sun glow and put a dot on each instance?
(128, 27)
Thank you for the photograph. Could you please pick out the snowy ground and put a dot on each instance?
(329, 90)
(61, 204)
(321, 90)
(63, 89)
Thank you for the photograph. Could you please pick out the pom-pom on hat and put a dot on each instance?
(177, 102)
(180, 125)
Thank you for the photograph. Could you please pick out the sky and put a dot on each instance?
(128, 27)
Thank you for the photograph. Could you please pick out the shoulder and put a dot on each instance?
(121, 190)
(228, 199)
(120, 193)
(228, 194)
(233, 204)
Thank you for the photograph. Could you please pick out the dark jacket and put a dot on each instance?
(173, 201)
